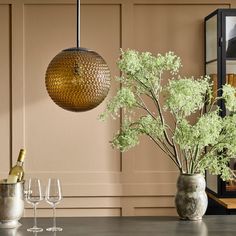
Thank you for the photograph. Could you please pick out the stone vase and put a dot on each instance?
(191, 199)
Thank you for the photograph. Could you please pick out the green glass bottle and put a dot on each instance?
(16, 174)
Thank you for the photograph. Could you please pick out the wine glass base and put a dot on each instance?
(54, 229)
(35, 229)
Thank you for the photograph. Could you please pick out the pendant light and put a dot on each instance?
(77, 79)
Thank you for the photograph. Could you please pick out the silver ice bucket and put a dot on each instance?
(11, 204)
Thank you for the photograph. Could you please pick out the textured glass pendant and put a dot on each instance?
(77, 79)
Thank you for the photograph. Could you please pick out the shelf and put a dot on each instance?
(211, 61)
(228, 61)
(231, 59)
(228, 203)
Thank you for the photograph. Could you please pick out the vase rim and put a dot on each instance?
(191, 174)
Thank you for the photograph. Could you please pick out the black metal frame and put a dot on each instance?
(78, 23)
(221, 75)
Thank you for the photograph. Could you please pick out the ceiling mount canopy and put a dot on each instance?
(77, 79)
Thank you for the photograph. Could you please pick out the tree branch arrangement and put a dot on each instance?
(194, 147)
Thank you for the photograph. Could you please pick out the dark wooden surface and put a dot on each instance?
(131, 226)
(220, 206)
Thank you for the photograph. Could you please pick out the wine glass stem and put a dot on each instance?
(35, 220)
(54, 216)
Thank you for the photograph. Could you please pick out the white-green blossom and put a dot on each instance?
(229, 97)
(169, 62)
(126, 138)
(216, 164)
(186, 96)
(227, 139)
(130, 62)
(144, 70)
(124, 98)
(130, 132)
(184, 135)
(150, 126)
(207, 129)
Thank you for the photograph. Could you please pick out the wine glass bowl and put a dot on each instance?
(33, 197)
(53, 197)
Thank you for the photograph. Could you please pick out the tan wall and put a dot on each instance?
(97, 180)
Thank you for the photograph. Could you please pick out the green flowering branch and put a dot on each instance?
(208, 143)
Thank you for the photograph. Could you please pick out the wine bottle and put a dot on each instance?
(16, 174)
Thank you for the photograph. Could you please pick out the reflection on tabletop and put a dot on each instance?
(198, 228)
(10, 232)
(17, 232)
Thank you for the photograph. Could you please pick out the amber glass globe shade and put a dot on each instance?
(77, 79)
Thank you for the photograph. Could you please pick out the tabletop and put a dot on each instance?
(130, 226)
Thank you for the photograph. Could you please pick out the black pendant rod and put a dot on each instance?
(78, 23)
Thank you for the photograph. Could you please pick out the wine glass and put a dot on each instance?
(34, 196)
(53, 197)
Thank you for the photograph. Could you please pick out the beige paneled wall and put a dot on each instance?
(74, 145)
(97, 180)
(174, 27)
(5, 92)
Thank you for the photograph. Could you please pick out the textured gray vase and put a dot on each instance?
(11, 204)
(191, 199)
